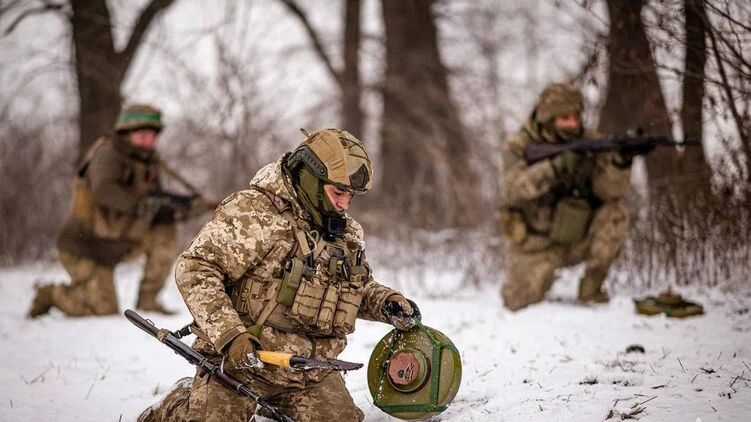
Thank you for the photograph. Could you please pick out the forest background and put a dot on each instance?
(432, 87)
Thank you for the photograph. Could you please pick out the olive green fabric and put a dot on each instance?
(567, 163)
(312, 197)
(139, 116)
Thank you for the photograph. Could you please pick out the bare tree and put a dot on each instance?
(426, 157)
(634, 97)
(100, 68)
(348, 78)
(693, 160)
(729, 31)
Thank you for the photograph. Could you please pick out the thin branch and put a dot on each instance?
(49, 7)
(139, 30)
(729, 93)
(317, 45)
(725, 14)
(9, 6)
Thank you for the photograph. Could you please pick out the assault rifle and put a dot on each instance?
(172, 341)
(633, 143)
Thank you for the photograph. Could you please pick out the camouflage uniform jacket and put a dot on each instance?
(231, 273)
(531, 191)
(113, 178)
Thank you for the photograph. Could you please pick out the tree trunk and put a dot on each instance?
(693, 160)
(427, 172)
(100, 69)
(634, 97)
(352, 115)
(97, 69)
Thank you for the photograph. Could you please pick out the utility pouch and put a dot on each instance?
(571, 220)
(83, 202)
(346, 310)
(291, 277)
(307, 303)
(328, 308)
(513, 226)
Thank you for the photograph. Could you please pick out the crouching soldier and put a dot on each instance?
(281, 266)
(119, 211)
(560, 211)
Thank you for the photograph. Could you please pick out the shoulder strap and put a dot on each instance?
(90, 154)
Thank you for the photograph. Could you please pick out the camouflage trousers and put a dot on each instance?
(531, 264)
(205, 399)
(92, 287)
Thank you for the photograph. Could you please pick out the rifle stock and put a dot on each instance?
(197, 359)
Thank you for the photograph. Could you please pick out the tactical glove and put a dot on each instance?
(402, 312)
(566, 163)
(241, 353)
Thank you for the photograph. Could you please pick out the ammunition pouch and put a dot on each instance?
(512, 225)
(293, 270)
(570, 220)
(307, 303)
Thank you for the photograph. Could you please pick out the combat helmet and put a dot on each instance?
(416, 374)
(138, 116)
(328, 156)
(558, 99)
(336, 157)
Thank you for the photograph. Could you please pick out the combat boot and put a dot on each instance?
(590, 290)
(148, 303)
(42, 302)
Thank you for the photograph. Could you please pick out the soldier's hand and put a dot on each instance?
(241, 353)
(566, 163)
(402, 312)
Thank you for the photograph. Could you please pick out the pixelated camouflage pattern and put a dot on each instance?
(532, 264)
(92, 287)
(558, 99)
(204, 399)
(248, 241)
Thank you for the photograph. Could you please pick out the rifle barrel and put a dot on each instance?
(197, 359)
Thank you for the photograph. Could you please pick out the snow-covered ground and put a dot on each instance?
(554, 361)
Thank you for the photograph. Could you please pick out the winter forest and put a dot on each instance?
(432, 88)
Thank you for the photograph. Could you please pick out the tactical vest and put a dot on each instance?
(563, 214)
(318, 291)
(100, 233)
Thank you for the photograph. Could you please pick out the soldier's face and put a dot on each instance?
(143, 138)
(338, 197)
(568, 122)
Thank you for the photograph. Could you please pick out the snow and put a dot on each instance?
(553, 361)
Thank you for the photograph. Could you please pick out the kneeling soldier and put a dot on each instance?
(281, 266)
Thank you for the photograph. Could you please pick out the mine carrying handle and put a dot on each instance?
(197, 359)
